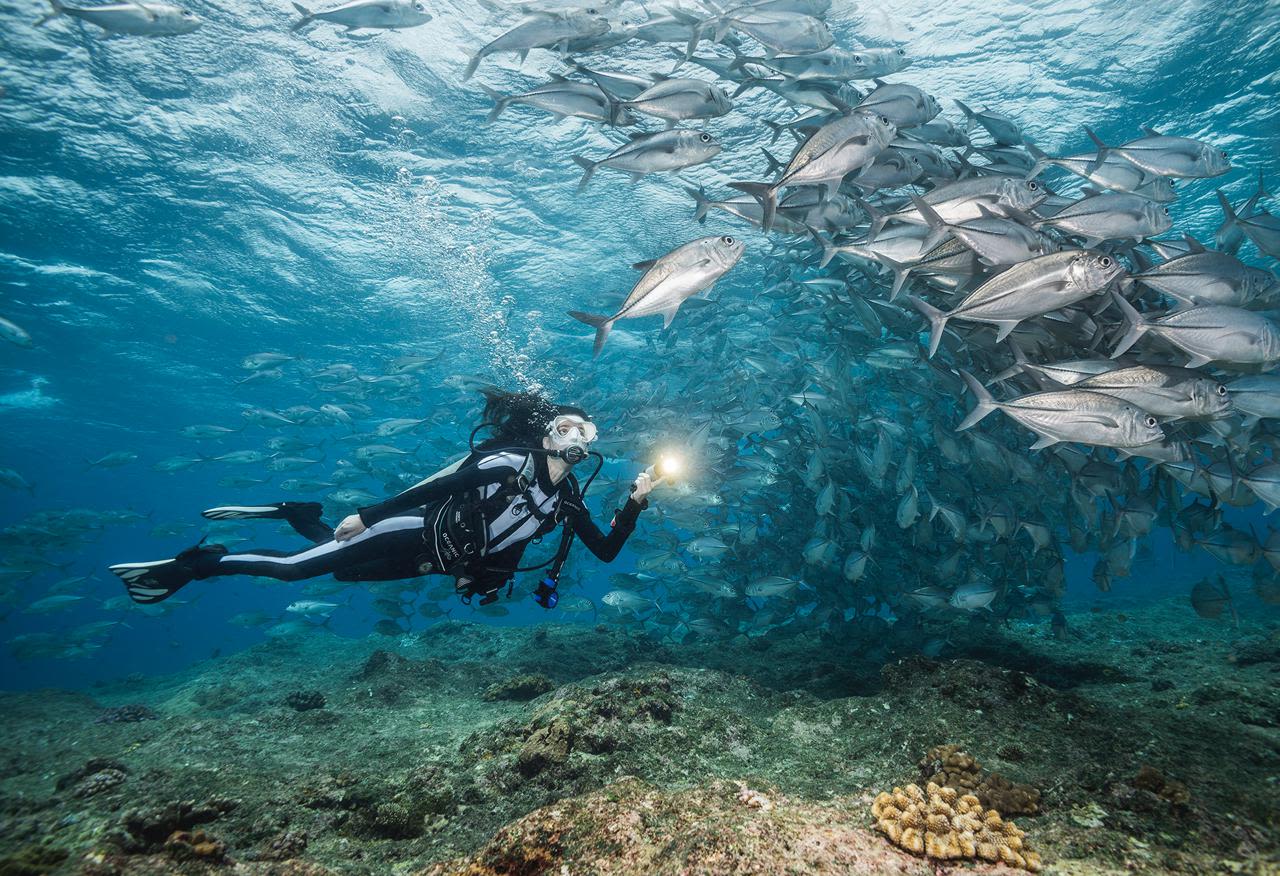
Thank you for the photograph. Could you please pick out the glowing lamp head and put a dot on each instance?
(670, 465)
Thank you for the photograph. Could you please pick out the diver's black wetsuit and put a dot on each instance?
(518, 502)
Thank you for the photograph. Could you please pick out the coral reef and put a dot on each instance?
(130, 714)
(305, 700)
(593, 720)
(389, 677)
(950, 767)
(98, 783)
(1151, 779)
(630, 828)
(1257, 650)
(284, 846)
(386, 820)
(765, 767)
(1006, 797)
(518, 688)
(149, 829)
(546, 746)
(90, 768)
(34, 860)
(940, 822)
(194, 845)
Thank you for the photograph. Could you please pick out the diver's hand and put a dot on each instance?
(642, 486)
(349, 528)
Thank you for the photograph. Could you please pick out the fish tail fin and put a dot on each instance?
(619, 116)
(877, 218)
(500, 103)
(1137, 325)
(307, 16)
(602, 325)
(968, 114)
(777, 131)
(775, 166)
(701, 203)
(58, 9)
(1227, 210)
(937, 322)
(766, 194)
(900, 273)
(1042, 161)
(694, 38)
(937, 228)
(829, 250)
(472, 63)
(986, 404)
(589, 168)
(1103, 150)
(1262, 189)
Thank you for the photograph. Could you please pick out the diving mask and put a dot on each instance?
(570, 436)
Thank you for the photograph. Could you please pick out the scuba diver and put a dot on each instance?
(473, 520)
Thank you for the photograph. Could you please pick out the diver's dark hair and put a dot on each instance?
(520, 419)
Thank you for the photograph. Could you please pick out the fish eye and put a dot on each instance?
(1034, 186)
(857, 59)
(1166, 211)
(1224, 155)
(884, 121)
(1222, 390)
(727, 240)
(1105, 261)
(902, 53)
(706, 138)
(1150, 421)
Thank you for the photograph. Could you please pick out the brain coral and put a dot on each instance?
(940, 822)
(952, 768)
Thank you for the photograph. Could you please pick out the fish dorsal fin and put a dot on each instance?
(645, 265)
(1150, 131)
(1193, 245)
(556, 77)
(879, 82)
(148, 12)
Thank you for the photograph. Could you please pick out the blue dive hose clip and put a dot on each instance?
(546, 595)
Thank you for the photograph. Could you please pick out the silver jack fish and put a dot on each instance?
(134, 19)
(652, 153)
(372, 14)
(1032, 288)
(669, 281)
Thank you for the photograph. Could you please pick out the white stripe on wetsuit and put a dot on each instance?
(382, 527)
(515, 510)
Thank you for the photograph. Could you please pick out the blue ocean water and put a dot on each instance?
(172, 206)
